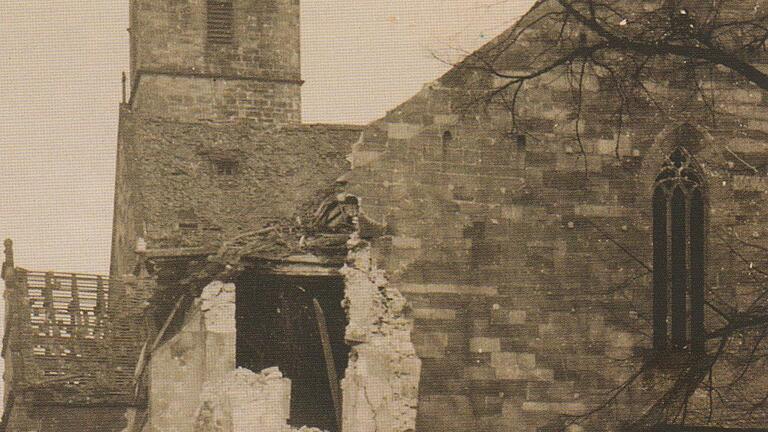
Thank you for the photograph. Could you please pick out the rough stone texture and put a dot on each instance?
(526, 306)
(182, 76)
(243, 401)
(380, 386)
(217, 302)
(168, 150)
(200, 353)
(191, 99)
(266, 41)
(169, 192)
(194, 385)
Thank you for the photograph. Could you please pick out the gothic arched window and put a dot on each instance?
(678, 254)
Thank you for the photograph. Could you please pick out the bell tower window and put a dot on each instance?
(678, 255)
(220, 22)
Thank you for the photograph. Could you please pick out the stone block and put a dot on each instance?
(760, 125)
(403, 131)
(440, 413)
(434, 314)
(470, 290)
(589, 210)
(512, 213)
(430, 345)
(363, 158)
(543, 374)
(623, 340)
(749, 183)
(245, 401)
(480, 373)
(484, 344)
(748, 146)
(446, 119)
(400, 242)
(746, 96)
(517, 317)
(526, 360)
(498, 316)
(507, 366)
(564, 408)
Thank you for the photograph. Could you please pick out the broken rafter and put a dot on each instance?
(146, 350)
(179, 252)
(330, 364)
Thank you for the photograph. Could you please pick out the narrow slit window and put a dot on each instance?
(678, 255)
(220, 22)
(446, 143)
(225, 167)
(660, 269)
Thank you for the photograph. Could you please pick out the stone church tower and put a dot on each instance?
(211, 135)
(444, 268)
(216, 60)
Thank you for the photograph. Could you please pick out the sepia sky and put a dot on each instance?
(60, 67)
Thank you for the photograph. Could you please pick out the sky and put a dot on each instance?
(60, 68)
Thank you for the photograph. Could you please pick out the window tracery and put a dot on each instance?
(678, 254)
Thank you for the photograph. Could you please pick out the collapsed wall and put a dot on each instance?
(200, 353)
(196, 387)
(380, 387)
(245, 401)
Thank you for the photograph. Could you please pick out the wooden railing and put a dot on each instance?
(72, 338)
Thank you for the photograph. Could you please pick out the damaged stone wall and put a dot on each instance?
(169, 191)
(508, 243)
(181, 180)
(243, 401)
(200, 353)
(195, 387)
(380, 386)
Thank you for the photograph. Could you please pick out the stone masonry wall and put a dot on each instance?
(380, 385)
(200, 354)
(513, 253)
(191, 99)
(170, 192)
(181, 76)
(194, 385)
(126, 222)
(266, 39)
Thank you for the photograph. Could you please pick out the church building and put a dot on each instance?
(458, 265)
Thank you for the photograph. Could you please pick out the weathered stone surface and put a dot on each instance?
(244, 401)
(202, 352)
(170, 193)
(380, 386)
(217, 302)
(541, 243)
(180, 75)
(514, 251)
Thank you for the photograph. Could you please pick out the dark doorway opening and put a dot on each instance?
(277, 325)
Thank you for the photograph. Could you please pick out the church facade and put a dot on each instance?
(446, 268)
